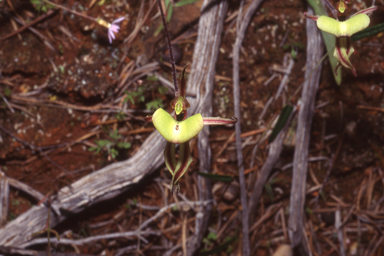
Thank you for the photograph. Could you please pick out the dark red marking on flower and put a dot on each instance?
(168, 154)
(184, 159)
(177, 127)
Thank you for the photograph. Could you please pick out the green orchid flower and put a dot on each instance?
(343, 30)
(179, 130)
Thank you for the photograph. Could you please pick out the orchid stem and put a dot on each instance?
(172, 60)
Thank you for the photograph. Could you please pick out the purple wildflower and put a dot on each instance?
(114, 28)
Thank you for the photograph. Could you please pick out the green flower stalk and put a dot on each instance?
(343, 30)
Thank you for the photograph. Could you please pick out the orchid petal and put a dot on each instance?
(219, 120)
(312, 17)
(183, 162)
(176, 131)
(118, 20)
(169, 157)
(343, 52)
(183, 87)
(365, 11)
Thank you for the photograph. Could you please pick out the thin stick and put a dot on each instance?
(69, 10)
(300, 162)
(241, 28)
(33, 148)
(42, 17)
(172, 60)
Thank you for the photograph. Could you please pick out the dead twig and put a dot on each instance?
(33, 148)
(242, 24)
(4, 198)
(274, 153)
(300, 162)
(203, 75)
(37, 20)
(339, 230)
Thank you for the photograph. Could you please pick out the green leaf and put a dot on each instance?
(114, 135)
(162, 90)
(370, 31)
(152, 78)
(103, 143)
(216, 177)
(185, 2)
(155, 104)
(169, 10)
(329, 40)
(114, 153)
(212, 236)
(7, 91)
(283, 118)
(124, 145)
(218, 249)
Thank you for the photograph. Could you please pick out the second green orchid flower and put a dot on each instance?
(343, 30)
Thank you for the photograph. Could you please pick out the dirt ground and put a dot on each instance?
(71, 103)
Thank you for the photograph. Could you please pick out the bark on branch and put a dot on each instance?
(300, 160)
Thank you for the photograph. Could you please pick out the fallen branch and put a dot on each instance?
(202, 75)
(300, 161)
(242, 26)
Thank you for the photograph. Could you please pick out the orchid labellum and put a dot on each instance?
(343, 30)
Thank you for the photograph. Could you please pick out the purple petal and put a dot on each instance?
(114, 28)
(118, 20)
(109, 37)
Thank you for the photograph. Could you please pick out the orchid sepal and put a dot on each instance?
(177, 167)
(219, 120)
(343, 52)
(365, 11)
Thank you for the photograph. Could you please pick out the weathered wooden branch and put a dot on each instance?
(4, 198)
(300, 161)
(242, 25)
(202, 80)
(101, 185)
